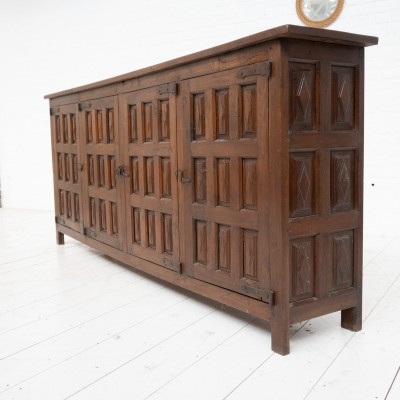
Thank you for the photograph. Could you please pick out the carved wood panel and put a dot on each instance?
(302, 184)
(343, 98)
(302, 268)
(303, 110)
(149, 145)
(342, 272)
(102, 188)
(67, 167)
(226, 124)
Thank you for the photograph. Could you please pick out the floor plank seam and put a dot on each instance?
(391, 385)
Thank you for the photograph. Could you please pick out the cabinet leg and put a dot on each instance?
(352, 319)
(60, 238)
(280, 338)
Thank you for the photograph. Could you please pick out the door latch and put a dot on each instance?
(120, 171)
(181, 177)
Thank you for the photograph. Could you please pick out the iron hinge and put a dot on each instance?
(265, 295)
(172, 264)
(84, 106)
(90, 233)
(171, 88)
(59, 220)
(263, 68)
(54, 110)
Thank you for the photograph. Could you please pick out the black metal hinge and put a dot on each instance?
(263, 68)
(59, 220)
(265, 295)
(54, 110)
(84, 106)
(171, 88)
(171, 264)
(90, 233)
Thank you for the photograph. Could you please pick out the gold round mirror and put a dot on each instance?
(318, 13)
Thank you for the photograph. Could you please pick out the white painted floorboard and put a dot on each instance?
(77, 325)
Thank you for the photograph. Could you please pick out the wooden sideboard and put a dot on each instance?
(235, 173)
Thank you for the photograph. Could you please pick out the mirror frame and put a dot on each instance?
(318, 24)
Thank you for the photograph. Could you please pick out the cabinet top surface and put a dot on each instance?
(284, 31)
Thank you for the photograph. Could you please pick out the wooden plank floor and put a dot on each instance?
(76, 325)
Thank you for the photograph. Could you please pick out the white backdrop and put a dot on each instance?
(51, 45)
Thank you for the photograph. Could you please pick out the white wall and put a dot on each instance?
(51, 45)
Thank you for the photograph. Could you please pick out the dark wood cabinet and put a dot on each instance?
(235, 172)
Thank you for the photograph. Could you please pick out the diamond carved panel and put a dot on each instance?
(342, 180)
(303, 107)
(302, 184)
(343, 98)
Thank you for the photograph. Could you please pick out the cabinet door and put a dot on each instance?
(148, 119)
(102, 188)
(224, 160)
(67, 166)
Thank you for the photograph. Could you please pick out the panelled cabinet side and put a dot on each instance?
(235, 173)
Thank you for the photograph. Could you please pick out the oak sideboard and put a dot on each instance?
(235, 173)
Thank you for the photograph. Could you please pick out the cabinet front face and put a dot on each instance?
(67, 166)
(102, 194)
(223, 178)
(149, 147)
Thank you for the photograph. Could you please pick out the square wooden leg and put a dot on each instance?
(352, 319)
(60, 238)
(280, 338)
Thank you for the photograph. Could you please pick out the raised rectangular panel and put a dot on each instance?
(200, 180)
(65, 128)
(342, 260)
(114, 218)
(110, 126)
(302, 268)
(112, 169)
(249, 111)
(249, 183)
(61, 201)
(303, 97)
(167, 233)
(91, 170)
(75, 171)
(60, 169)
(151, 229)
(342, 180)
(99, 126)
(102, 171)
(149, 170)
(224, 248)
(134, 174)
(58, 128)
(73, 128)
(103, 215)
(200, 242)
(302, 184)
(165, 177)
(198, 116)
(250, 251)
(223, 179)
(343, 98)
(222, 113)
(68, 204)
(77, 209)
(67, 167)
(164, 121)
(136, 225)
(147, 122)
(89, 127)
(133, 124)
(92, 211)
